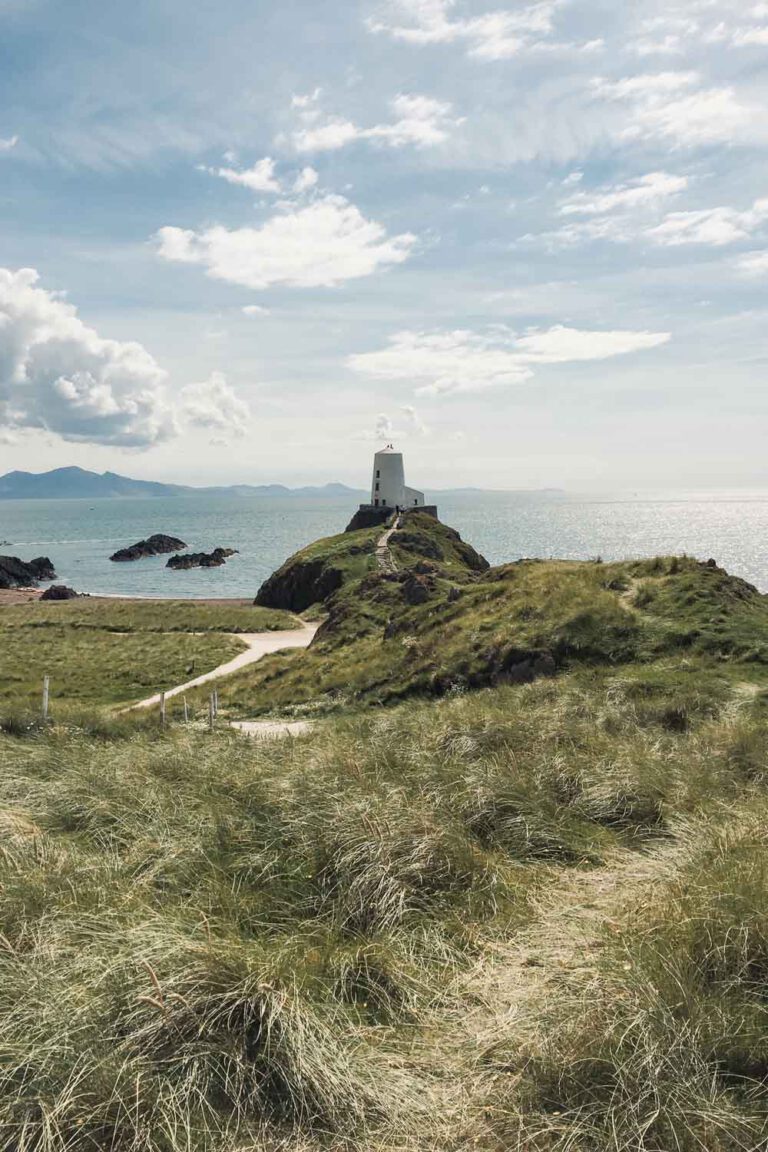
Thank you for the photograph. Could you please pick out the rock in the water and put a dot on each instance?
(156, 545)
(213, 559)
(15, 573)
(59, 592)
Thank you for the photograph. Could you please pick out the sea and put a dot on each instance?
(80, 535)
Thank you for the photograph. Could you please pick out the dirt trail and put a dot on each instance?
(259, 644)
(384, 557)
(510, 985)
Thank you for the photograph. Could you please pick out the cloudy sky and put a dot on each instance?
(247, 241)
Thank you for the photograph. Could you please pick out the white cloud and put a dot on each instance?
(612, 212)
(409, 424)
(305, 181)
(213, 404)
(59, 375)
(494, 35)
(259, 178)
(641, 192)
(6, 145)
(323, 244)
(751, 37)
(384, 427)
(255, 310)
(620, 214)
(753, 264)
(671, 106)
(467, 361)
(712, 226)
(418, 120)
(414, 425)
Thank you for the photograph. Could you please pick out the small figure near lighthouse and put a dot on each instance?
(389, 492)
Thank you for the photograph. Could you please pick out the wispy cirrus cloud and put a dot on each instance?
(712, 226)
(494, 35)
(446, 362)
(7, 144)
(639, 192)
(632, 211)
(420, 121)
(325, 243)
(677, 107)
(753, 265)
(259, 178)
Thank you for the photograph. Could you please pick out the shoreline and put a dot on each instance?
(10, 596)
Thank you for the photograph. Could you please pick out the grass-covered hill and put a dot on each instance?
(443, 621)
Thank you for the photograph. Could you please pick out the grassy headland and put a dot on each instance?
(444, 623)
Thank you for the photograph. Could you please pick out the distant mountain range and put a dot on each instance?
(78, 484)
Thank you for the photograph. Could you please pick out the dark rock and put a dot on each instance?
(60, 592)
(43, 568)
(296, 586)
(213, 559)
(369, 518)
(15, 573)
(453, 595)
(417, 590)
(155, 545)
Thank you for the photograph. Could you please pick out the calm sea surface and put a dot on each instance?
(80, 535)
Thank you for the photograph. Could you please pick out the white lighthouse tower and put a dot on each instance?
(389, 493)
(388, 487)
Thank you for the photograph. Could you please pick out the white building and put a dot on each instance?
(388, 487)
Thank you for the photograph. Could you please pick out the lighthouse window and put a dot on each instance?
(378, 473)
(377, 485)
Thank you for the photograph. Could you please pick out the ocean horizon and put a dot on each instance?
(80, 535)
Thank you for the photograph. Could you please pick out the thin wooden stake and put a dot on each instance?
(216, 702)
(162, 709)
(46, 694)
(211, 712)
(186, 711)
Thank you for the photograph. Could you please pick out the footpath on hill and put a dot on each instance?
(259, 644)
(501, 1000)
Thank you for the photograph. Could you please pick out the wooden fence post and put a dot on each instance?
(46, 694)
(186, 711)
(216, 702)
(211, 712)
(162, 709)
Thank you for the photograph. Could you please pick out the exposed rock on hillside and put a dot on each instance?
(155, 545)
(314, 574)
(213, 559)
(15, 573)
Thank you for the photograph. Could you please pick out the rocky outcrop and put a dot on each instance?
(213, 559)
(298, 585)
(15, 573)
(437, 542)
(156, 545)
(60, 592)
(369, 517)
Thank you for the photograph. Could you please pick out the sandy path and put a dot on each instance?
(269, 729)
(259, 644)
(503, 997)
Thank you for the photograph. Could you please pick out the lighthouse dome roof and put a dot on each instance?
(390, 450)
